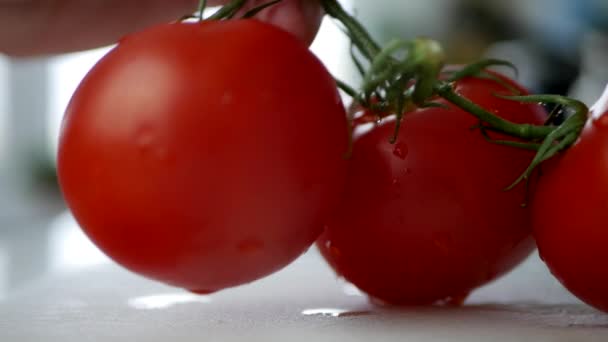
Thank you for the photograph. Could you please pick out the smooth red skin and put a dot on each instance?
(570, 215)
(426, 220)
(204, 155)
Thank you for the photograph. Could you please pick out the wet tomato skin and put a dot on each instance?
(204, 155)
(426, 220)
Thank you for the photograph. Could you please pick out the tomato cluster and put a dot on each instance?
(200, 156)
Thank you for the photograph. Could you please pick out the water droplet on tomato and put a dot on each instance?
(333, 249)
(407, 170)
(400, 150)
(333, 312)
(396, 188)
(250, 245)
(227, 98)
(144, 141)
(443, 241)
(149, 144)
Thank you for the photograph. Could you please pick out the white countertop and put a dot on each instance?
(100, 301)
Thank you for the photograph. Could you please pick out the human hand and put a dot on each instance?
(37, 27)
(300, 17)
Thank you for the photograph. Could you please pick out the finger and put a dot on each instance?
(47, 27)
(300, 17)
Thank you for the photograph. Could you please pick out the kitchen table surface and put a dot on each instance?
(76, 294)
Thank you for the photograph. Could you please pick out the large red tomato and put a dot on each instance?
(570, 213)
(204, 155)
(426, 219)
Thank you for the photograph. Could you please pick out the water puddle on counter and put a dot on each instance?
(165, 301)
(333, 312)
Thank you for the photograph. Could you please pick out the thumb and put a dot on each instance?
(300, 17)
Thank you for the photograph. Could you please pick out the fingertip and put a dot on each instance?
(300, 17)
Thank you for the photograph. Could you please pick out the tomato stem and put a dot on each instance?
(562, 136)
(227, 11)
(523, 131)
(428, 58)
(475, 69)
(357, 32)
(554, 138)
(350, 91)
(202, 4)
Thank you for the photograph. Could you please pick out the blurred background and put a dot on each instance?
(559, 46)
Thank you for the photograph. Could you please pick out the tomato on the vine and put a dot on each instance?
(425, 219)
(204, 155)
(570, 212)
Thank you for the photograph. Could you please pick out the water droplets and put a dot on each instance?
(249, 246)
(164, 301)
(443, 241)
(333, 250)
(144, 138)
(333, 312)
(400, 150)
(327, 312)
(149, 143)
(227, 99)
(396, 188)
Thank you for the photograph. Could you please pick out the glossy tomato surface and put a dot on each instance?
(570, 215)
(204, 155)
(426, 220)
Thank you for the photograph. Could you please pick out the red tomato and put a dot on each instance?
(426, 220)
(204, 155)
(570, 215)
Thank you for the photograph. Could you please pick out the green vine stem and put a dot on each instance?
(523, 131)
(229, 10)
(395, 85)
(202, 5)
(358, 34)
